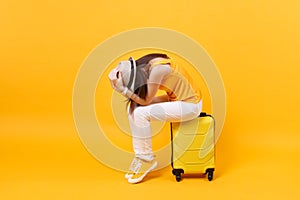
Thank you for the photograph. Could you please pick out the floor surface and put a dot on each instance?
(45, 159)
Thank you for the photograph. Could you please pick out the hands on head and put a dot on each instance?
(116, 80)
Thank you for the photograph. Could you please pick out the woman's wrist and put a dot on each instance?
(124, 91)
(129, 93)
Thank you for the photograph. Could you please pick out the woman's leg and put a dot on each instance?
(167, 111)
(140, 126)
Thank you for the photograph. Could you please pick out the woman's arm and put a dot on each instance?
(159, 99)
(156, 76)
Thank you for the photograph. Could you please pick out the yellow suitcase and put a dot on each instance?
(193, 147)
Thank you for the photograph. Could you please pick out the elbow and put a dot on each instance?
(146, 102)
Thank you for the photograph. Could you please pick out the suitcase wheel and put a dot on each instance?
(177, 173)
(210, 174)
(178, 177)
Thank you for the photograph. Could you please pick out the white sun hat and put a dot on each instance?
(128, 70)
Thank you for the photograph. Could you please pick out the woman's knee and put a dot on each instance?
(140, 115)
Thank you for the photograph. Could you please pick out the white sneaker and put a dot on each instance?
(142, 168)
(130, 172)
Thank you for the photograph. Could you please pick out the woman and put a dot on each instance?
(139, 81)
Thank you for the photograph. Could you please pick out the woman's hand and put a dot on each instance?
(117, 84)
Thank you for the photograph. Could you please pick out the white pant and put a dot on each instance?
(141, 117)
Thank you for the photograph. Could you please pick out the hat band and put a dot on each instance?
(131, 73)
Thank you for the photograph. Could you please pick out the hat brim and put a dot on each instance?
(132, 77)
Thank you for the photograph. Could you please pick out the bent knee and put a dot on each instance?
(140, 113)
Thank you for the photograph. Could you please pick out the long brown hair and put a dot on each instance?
(142, 75)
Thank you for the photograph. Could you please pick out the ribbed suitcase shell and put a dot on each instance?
(193, 146)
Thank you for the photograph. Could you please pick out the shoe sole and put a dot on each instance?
(128, 176)
(136, 180)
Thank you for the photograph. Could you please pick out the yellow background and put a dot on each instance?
(255, 45)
